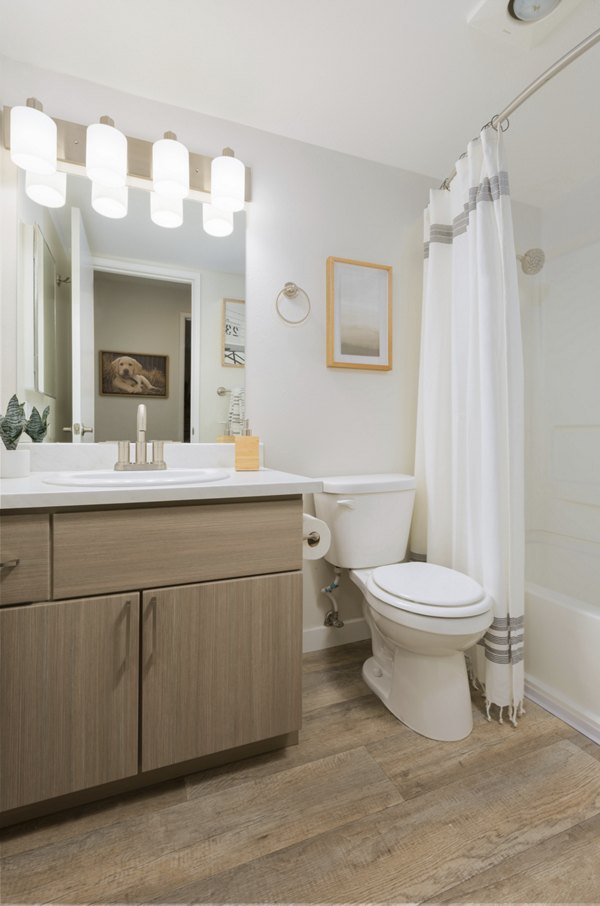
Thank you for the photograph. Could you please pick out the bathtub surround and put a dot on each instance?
(561, 320)
(470, 420)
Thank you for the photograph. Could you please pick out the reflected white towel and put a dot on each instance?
(237, 409)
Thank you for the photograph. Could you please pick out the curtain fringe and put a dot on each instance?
(514, 711)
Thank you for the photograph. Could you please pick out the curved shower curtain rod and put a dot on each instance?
(500, 118)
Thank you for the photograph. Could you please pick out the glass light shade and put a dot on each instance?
(47, 189)
(110, 201)
(227, 183)
(106, 155)
(216, 222)
(166, 212)
(170, 168)
(531, 10)
(32, 140)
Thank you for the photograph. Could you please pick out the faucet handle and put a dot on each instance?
(158, 453)
(123, 451)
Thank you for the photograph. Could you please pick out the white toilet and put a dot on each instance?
(422, 617)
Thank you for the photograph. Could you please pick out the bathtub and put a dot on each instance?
(562, 629)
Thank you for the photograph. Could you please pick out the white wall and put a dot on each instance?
(307, 203)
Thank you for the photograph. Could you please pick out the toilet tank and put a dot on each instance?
(369, 518)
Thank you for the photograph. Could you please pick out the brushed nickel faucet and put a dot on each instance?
(141, 462)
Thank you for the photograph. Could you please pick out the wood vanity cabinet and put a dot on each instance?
(176, 636)
(68, 696)
(221, 666)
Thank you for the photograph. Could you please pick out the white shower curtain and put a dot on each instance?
(470, 419)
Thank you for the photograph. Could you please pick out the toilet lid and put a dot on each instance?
(428, 583)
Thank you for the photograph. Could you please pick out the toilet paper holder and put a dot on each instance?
(316, 538)
(313, 538)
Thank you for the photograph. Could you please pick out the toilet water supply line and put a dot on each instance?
(332, 617)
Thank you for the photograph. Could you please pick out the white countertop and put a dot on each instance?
(47, 459)
(33, 492)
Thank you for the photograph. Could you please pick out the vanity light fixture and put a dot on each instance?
(112, 161)
(217, 222)
(47, 189)
(106, 153)
(110, 201)
(170, 167)
(166, 212)
(33, 138)
(228, 182)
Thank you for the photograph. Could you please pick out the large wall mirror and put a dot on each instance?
(120, 312)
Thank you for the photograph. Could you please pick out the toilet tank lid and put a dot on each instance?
(368, 484)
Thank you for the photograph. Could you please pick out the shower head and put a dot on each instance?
(532, 261)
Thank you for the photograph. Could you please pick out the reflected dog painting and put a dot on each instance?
(126, 373)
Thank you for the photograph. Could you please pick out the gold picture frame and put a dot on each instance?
(359, 315)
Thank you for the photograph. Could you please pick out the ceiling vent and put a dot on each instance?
(523, 23)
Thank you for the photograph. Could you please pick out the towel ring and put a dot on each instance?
(292, 291)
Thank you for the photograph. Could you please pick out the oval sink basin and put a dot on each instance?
(108, 478)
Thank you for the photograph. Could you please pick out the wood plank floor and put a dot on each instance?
(362, 811)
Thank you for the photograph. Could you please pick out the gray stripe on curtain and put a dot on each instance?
(489, 189)
(503, 642)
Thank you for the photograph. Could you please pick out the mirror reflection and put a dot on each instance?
(123, 311)
(45, 316)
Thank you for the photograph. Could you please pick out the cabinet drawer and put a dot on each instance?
(118, 550)
(25, 555)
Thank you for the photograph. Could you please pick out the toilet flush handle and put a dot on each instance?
(347, 502)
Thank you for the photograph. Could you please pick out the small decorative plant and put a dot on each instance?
(37, 426)
(13, 423)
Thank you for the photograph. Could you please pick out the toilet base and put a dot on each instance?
(428, 694)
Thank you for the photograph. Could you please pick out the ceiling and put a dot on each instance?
(403, 82)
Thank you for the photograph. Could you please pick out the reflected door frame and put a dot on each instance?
(174, 275)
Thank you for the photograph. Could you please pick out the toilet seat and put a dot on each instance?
(429, 590)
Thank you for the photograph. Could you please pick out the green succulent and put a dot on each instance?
(13, 423)
(37, 426)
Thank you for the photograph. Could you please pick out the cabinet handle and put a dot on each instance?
(10, 564)
(150, 614)
(126, 616)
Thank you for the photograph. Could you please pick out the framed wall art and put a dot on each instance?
(126, 373)
(359, 315)
(234, 333)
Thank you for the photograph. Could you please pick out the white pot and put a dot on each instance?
(14, 463)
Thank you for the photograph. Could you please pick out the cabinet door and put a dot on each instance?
(68, 696)
(221, 666)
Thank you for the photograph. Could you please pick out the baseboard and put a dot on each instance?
(563, 708)
(319, 637)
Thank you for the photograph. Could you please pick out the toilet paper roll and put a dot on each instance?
(316, 537)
